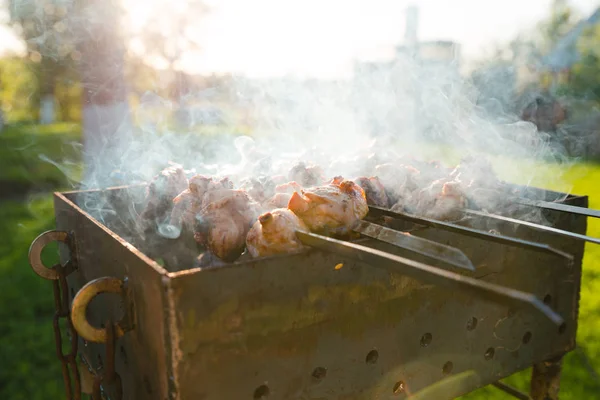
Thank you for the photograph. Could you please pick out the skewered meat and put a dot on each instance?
(260, 189)
(283, 196)
(374, 191)
(442, 200)
(159, 196)
(332, 208)
(450, 203)
(275, 233)
(190, 201)
(400, 181)
(306, 175)
(224, 222)
(475, 172)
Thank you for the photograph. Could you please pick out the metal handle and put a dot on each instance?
(35, 254)
(82, 300)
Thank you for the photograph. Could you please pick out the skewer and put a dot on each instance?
(463, 230)
(429, 248)
(561, 232)
(588, 212)
(429, 274)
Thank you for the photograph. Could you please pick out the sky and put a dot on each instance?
(323, 37)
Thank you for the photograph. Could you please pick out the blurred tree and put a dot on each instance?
(562, 19)
(168, 37)
(584, 79)
(45, 25)
(19, 84)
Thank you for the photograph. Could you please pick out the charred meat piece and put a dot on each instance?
(275, 233)
(306, 176)
(374, 191)
(160, 193)
(332, 208)
(224, 222)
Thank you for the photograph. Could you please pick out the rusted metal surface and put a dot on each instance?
(545, 379)
(142, 357)
(430, 275)
(302, 327)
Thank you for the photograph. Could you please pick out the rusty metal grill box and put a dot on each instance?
(317, 325)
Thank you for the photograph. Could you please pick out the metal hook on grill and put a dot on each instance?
(35, 254)
(428, 273)
(82, 300)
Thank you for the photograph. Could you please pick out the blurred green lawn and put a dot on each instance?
(28, 365)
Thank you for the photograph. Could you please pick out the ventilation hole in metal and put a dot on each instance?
(489, 353)
(372, 357)
(562, 328)
(472, 324)
(319, 373)
(447, 368)
(527, 337)
(399, 387)
(426, 339)
(262, 392)
(547, 299)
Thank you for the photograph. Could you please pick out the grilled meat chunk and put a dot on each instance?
(260, 189)
(400, 181)
(275, 233)
(442, 200)
(190, 201)
(331, 208)
(159, 196)
(282, 196)
(374, 191)
(224, 222)
(307, 176)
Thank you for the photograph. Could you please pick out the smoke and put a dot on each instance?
(414, 105)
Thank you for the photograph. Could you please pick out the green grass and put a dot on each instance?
(29, 368)
(36, 157)
(28, 365)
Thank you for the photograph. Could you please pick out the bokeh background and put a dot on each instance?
(177, 67)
